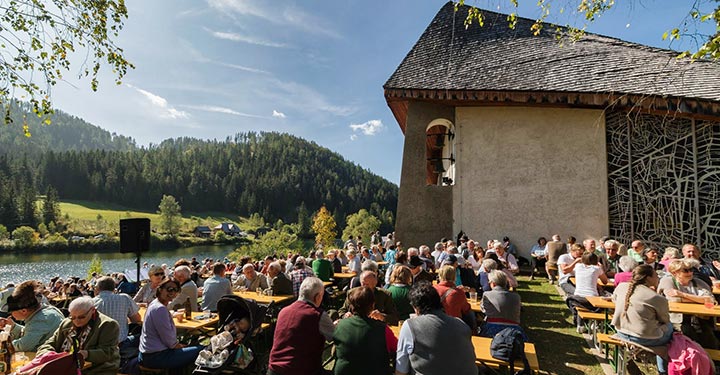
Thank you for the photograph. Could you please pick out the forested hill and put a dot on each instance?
(65, 132)
(268, 173)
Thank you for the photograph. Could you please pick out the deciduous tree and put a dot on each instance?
(170, 215)
(361, 223)
(324, 228)
(38, 39)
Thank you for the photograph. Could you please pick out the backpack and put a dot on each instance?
(508, 345)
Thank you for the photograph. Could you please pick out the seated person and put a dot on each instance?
(587, 274)
(500, 306)
(250, 279)
(93, 335)
(159, 346)
(215, 287)
(566, 268)
(399, 289)
(368, 265)
(453, 299)
(682, 286)
(147, 293)
(363, 344)
(627, 264)
(641, 315)
(433, 342)
(40, 320)
(537, 252)
(278, 282)
(385, 309)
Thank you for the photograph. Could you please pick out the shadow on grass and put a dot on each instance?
(546, 320)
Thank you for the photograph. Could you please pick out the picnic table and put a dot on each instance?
(264, 299)
(190, 324)
(483, 356)
(344, 275)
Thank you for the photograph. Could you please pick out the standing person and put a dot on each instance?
(553, 250)
(642, 315)
(322, 267)
(362, 343)
(92, 334)
(433, 342)
(188, 289)
(120, 308)
(147, 293)
(40, 320)
(159, 346)
(300, 333)
(215, 287)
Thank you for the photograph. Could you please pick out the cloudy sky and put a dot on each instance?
(315, 69)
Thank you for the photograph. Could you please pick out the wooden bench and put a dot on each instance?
(482, 355)
(593, 321)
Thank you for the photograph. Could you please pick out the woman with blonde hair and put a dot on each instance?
(681, 286)
(670, 254)
(399, 289)
(641, 315)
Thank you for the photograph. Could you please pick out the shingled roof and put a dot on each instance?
(496, 58)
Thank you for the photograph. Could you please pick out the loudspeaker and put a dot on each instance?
(134, 235)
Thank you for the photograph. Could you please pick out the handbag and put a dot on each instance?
(52, 363)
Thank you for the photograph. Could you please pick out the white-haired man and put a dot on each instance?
(188, 289)
(251, 279)
(97, 333)
(300, 333)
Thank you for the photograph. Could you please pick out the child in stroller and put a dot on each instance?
(230, 350)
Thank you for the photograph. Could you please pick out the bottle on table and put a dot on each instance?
(188, 309)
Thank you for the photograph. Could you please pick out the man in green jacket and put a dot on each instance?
(322, 267)
(94, 334)
(385, 309)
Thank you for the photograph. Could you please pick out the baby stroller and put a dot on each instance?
(231, 350)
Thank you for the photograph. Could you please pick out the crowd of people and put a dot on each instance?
(425, 291)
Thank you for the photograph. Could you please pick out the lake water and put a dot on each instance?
(20, 267)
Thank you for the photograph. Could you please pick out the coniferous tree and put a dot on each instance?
(51, 206)
(27, 207)
(303, 221)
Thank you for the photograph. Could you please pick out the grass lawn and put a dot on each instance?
(85, 210)
(548, 323)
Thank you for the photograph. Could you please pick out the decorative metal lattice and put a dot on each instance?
(664, 180)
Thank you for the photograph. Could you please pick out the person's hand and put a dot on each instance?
(6, 321)
(377, 315)
(179, 346)
(673, 293)
(347, 315)
(83, 353)
(716, 264)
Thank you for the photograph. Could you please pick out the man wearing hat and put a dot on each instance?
(419, 274)
(41, 321)
(147, 292)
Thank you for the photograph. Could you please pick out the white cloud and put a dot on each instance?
(240, 67)
(353, 137)
(306, 99)
(291, 16)
(235, 37)
(217, 109)
(161, 104)
(278, 114)
(371, 127)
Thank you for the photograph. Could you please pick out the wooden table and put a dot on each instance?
(263, 299)
(191, 324)
(16, 365)
(327, 283)
(344, 275)
(675, 307)
(475, 306)
(483, 356)
(382, 263)
(609, 284)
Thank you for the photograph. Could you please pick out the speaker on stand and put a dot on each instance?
(135, 238)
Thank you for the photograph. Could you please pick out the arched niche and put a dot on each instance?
(440, 152)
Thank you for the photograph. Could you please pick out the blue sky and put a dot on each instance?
(315, 69)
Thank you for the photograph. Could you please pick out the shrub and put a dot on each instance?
(24, 237)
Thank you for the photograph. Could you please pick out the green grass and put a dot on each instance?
(548, 323)
(85, 213)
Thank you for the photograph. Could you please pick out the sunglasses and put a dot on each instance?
(172, 290)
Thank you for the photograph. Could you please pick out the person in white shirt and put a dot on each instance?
(507, 259)
(566, 268)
